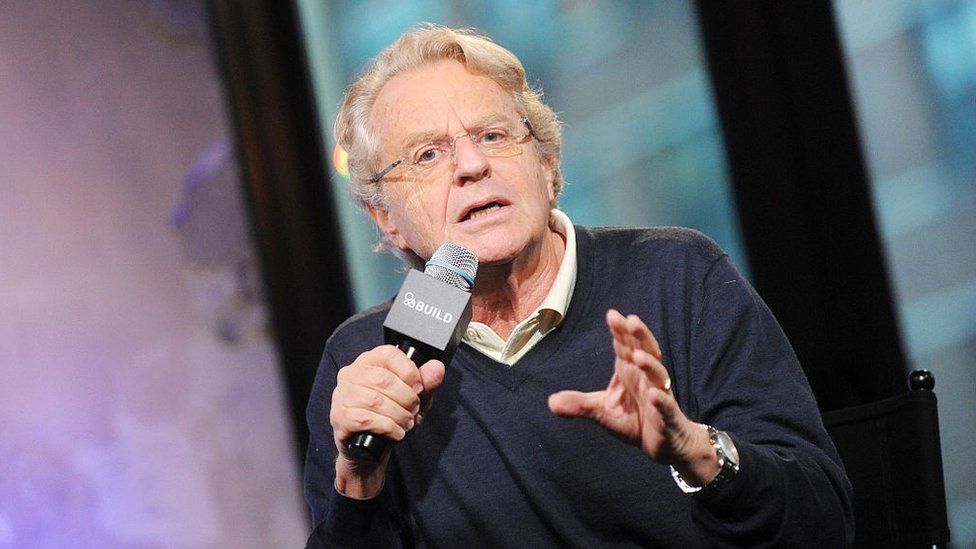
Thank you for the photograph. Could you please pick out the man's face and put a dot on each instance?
(496, 207)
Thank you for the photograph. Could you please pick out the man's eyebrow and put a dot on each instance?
(488, 119)
(419, 138)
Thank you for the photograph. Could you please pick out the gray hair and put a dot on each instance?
(427, 44)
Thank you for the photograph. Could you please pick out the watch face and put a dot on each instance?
(725, 443)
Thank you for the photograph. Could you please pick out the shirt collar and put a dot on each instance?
(545, 318)
(557, 300)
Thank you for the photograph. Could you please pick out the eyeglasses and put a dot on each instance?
(495, 141)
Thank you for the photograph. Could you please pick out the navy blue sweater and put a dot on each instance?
(491, 466)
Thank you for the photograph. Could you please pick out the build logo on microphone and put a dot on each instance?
(412, 302)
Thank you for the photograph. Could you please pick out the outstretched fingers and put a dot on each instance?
(635, 345)
(642, 336)
(631, 333)
(657, 375)
(576, 404)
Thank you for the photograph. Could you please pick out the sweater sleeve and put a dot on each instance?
(791, 490)
(338, 521)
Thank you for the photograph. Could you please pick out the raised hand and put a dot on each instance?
(637, 405)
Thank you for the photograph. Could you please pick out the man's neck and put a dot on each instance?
(506, 294)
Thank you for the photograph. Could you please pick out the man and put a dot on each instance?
(702, 430)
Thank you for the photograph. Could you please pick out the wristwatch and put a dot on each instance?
(728, 462)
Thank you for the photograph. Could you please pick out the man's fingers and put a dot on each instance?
(622, 342)
(381, 381)
(355, 420)
(613, 317)
(431, 375)
(575, 403)
(622, 351)
(646, 361)
(617, 324)
(643, 337)
(394, 360)
(379, 393)
(652, 367)
(630, 332)
(354, 397)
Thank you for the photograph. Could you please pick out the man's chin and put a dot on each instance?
(492, 256)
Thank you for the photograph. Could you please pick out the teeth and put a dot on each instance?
(486, 211)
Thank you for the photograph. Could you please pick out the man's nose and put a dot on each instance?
(470, 162)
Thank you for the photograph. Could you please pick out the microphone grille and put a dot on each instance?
(454, 265)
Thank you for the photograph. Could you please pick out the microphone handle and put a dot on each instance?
(369, 447)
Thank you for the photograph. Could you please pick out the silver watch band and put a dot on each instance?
(728, 461)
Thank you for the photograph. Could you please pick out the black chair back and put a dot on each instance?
(892, 452)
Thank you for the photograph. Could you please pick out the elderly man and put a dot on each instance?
(700, 430)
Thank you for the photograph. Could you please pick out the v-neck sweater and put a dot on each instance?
(490, 466)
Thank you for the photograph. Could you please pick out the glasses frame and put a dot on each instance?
(393, 165)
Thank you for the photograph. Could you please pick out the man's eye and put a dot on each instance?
(493, 136)
(427, 155)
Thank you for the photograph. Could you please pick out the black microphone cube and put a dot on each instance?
(429, 312)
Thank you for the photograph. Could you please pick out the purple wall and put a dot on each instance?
(140, 398)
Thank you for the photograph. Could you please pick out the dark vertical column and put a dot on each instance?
(802, 194)
(295, 222)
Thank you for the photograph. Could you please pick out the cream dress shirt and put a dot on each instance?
(546, 317)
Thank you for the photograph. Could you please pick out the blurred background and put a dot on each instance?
(175, 246)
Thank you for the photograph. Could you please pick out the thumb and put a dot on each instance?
(576, 403)
(431, 375)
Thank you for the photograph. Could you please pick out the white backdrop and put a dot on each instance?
(141, 403)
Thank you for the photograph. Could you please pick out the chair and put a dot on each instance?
(892, 452)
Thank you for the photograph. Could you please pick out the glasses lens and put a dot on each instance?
(429, 159)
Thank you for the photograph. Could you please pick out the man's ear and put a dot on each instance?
(382, 219)
(549, 172)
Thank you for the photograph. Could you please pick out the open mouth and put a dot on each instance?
(481, 211)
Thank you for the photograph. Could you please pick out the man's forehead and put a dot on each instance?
(438, 97)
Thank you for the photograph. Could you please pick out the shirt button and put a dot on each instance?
(472, 334)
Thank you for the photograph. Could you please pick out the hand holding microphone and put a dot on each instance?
(377, 397)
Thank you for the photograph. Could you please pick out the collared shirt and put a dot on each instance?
(545, 318)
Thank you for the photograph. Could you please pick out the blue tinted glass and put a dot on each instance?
(913, 73)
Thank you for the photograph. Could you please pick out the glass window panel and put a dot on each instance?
(912, 70)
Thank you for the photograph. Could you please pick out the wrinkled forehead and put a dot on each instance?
(439, 98)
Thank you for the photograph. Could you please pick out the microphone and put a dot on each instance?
(426, 321)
